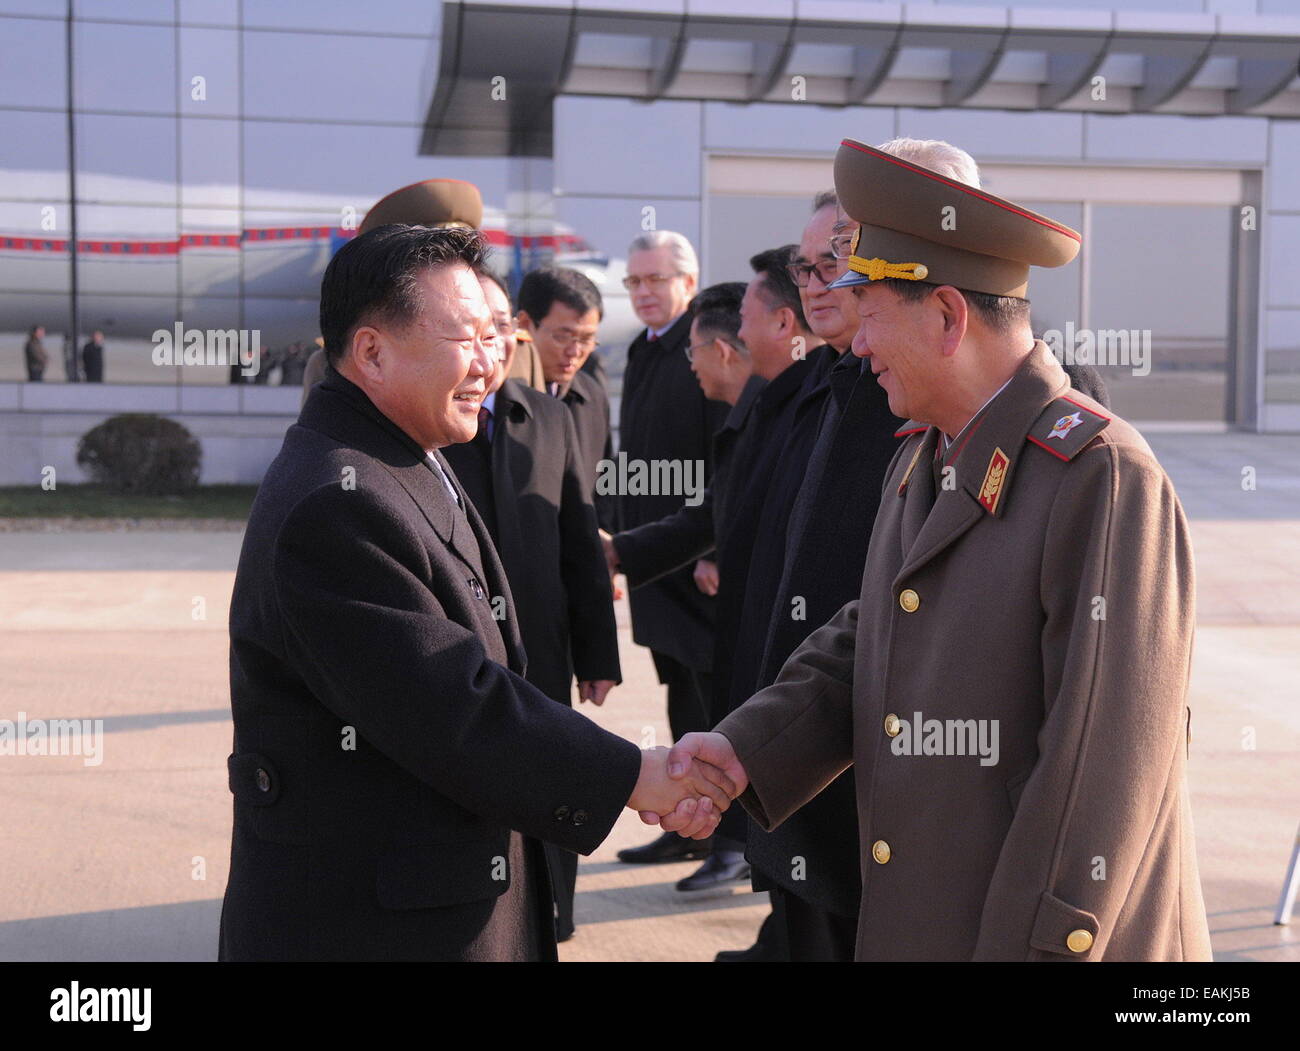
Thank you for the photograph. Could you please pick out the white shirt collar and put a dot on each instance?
(443, 475)
(490, 402)
(659, 332)
(947, 442)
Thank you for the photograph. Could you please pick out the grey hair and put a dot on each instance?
(825, 199)
(939, 156)
(679, 249)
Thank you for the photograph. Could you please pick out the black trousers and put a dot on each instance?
(812, 934)
(563, 867)
(688, 695)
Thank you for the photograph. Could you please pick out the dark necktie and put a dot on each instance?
(652, 337)
(484, 424)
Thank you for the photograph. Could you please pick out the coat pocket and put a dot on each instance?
(263, 803)
(1063, 928)
(448, 872)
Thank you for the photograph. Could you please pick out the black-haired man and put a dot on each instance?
(560, 311)
(524, 474)
(392, 770)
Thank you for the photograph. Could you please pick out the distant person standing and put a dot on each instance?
(293, 365)
(664, 415)
(265, 362)
(92, 358)
(34, 354)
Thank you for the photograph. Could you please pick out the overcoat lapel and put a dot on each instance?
(984, 458)
(365, 428)
(512, 439)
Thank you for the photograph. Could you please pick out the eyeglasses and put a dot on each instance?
(632, 283)
(566, 337)
(690, 351)
(801, 273)
(842, 245)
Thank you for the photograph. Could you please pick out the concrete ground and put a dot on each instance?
(128, 859)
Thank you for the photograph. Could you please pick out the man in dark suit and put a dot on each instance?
(559, 312)
(92, 358)
(749, 347)
(802, 923)
(665, 416)
(524, 474)
(392, 769)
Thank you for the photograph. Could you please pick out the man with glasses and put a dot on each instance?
(560, 311)
(524, 474)
(1030, 573)
(665, 416)
(763, 321)
(813, 902)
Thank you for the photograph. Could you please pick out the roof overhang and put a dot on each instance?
(503, 62)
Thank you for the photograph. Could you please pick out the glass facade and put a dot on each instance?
(216, 166)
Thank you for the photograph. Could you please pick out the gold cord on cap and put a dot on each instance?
(879, 269)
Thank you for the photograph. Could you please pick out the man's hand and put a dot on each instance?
(611, 562)
(693, 798)
(706, 576)
(714, 751)
(611, 552)
(594, 690)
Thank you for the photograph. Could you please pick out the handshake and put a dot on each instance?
(686, 788)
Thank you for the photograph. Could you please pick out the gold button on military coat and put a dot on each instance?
(1034, 801)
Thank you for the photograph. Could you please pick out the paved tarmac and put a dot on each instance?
(127, 859)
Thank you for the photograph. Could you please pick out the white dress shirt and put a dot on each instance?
(443, 475)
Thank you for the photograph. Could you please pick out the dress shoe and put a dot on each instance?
(668, 847)
(768, 947)
(754, 954)
(722, 866)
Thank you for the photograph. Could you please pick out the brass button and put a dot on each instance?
(1079, 941)
(892, 724)
(880, 851)
(909, 600)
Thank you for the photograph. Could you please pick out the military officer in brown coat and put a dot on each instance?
(1011, 684)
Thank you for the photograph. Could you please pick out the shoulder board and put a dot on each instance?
(911, 427)
(1065, 427)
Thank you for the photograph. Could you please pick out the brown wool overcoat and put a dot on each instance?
(1043, 601)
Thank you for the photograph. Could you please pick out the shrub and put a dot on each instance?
(139, 452)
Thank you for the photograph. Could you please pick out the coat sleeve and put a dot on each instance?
(364, 628)
(593, 631)
(1117, 591)
(656, 549)
(795, 737)
(607, 505)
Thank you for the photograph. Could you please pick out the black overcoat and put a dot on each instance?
(826, 542)
(665, 416)
(544, 529)
(386, 743)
